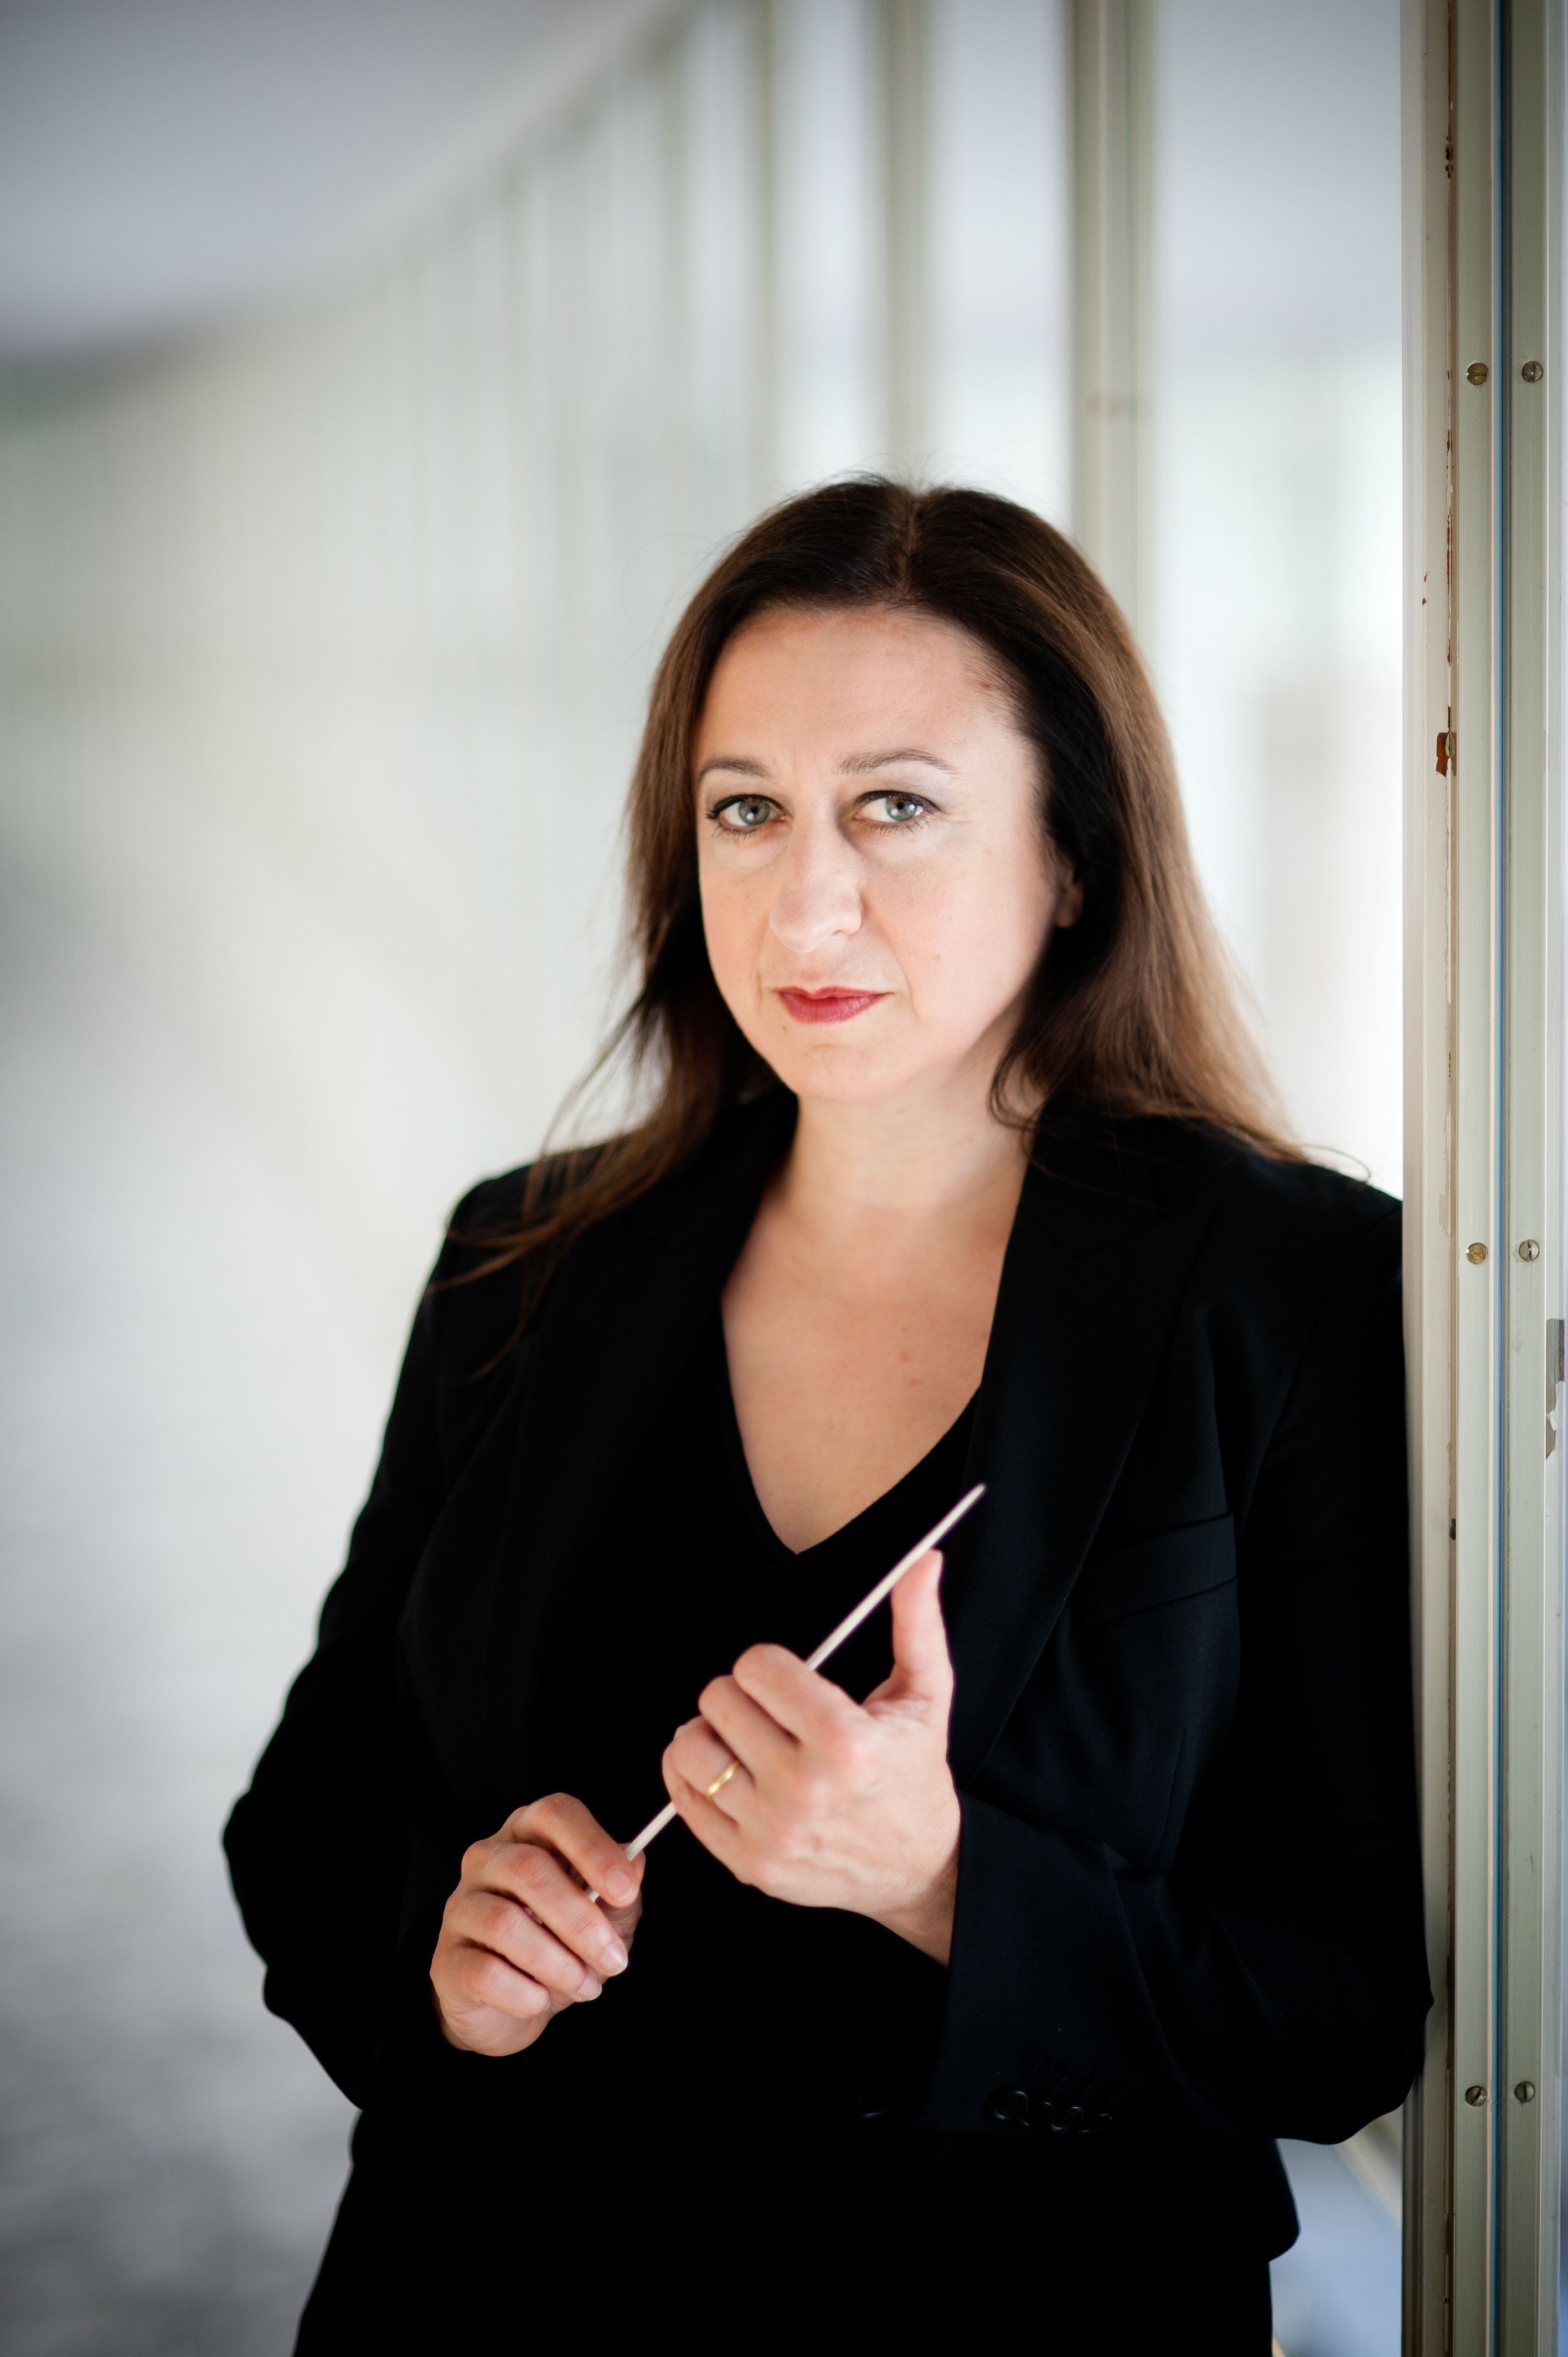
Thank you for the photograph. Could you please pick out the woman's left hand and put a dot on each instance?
(834, 1804)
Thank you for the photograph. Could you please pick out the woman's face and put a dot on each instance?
(876, 887)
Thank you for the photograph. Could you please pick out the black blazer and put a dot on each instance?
(1188, 1885)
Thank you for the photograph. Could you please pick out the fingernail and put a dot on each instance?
(620, 1884)
(591, 1988)
(615, 1958)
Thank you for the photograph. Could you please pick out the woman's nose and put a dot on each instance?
(819, 889)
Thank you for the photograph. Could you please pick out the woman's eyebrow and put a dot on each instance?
(860, 765)
(737, 766)
(854, 765)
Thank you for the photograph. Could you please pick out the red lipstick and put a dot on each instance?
(829, 1006)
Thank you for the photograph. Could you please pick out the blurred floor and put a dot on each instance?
(186, 1427)
(1336, 2293)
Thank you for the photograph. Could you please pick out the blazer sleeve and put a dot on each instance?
(317, 1847)
(1273, 1982)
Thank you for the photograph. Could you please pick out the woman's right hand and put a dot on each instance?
(521, 1937)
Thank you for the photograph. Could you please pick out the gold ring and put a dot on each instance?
(721, 1779)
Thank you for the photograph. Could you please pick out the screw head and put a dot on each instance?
(1530, 1249)
(1525, 2091)
(1477, 371)
(1533, 372)
(1476, 1252)
(1475, 2097)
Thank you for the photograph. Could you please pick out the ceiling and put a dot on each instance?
(166, 165)
(169, 164)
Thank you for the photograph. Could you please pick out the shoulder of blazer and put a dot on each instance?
(1100, 1171)
(466, 1329)
(480, 1347)
(478, 1310)
(1283, 1227)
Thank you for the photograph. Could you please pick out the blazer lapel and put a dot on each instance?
(1093, 1276)
(623, 1316)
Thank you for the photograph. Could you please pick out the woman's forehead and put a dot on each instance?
(836, 674)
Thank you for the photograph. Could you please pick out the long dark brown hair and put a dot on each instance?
(1131, 1011)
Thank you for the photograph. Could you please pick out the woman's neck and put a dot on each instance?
(944, 1160)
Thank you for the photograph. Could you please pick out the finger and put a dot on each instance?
(473, 1986)
(573, 1831)
(709, 1766)
(718, 1833)
(478, 1989)
(701, 1753)
(536, 1879)
(745, 1729)
(799, 1701)
(505, 1929)
(922, 1666)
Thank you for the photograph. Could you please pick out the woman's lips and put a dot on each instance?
(829, 1006)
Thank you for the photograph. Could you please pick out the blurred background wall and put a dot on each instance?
(326, 643)
(375, 382)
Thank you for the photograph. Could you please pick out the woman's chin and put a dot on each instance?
(830, 1064)
(843, 1074)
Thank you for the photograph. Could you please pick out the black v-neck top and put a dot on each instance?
(724, 1983)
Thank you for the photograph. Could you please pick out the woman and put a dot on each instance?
(978, 1989)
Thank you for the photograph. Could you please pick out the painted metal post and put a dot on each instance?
(1529, 1274)
(1430, 1113)
(1428, 1119)
(1483, 108)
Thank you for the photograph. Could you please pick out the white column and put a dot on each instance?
(906, 183)
(763, 119)
(1113, 117)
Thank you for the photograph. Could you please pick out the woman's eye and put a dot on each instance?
(745, 815)
(899, 810)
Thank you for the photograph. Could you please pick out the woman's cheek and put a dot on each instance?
(969, 963)
(728, 926)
